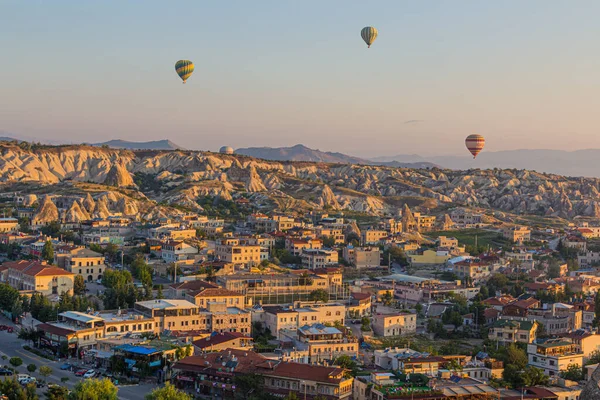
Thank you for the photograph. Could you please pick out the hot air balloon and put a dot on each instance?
(369, 34)
(475, 144)
(184, 69)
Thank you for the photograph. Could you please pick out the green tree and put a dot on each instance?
(365, 324)
(419, 309)
(573, 372)
(594, 358)
(45, 371)
(13, 390)
(553, 269)
(48, 252)
(31, 368)
(168, 392)
(79, 285)
(533, 376)
(57, 393)
(396, 255)
(159, 292)
(516, 356)
(319, 295)
(8, 296)
(328, 241)
(346, 362)
(387, 298)
(15, 362)
(94, 389)
(17, 308)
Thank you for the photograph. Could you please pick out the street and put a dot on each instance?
(13, 347)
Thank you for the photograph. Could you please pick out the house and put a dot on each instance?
(318, 258)
(545, 288)
(586, 342)
(448, 242)
(179, 290)
(224, 340)
(575, 242)
(517, 234)
(499, 302)
(296, 246)
(429, 257)
(521, 307)
(362, 257)
(176, 250)
(81, 261)
(491, 315)
(554, 355)
(232, 251)
(8, 225)
(325, 343)
(372, 236)
(38, 276)
(394, 324)
(360, 305)
(508, 331)
(278, 318)
(205, 295)
(473, 269)
(213, 375)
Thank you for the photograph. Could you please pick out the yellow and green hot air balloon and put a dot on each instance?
(369, 34)
(184, 69)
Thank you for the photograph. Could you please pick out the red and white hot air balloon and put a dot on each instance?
(475, 144)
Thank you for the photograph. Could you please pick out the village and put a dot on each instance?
(321, 305)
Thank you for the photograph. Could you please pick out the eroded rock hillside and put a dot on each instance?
(183, 177)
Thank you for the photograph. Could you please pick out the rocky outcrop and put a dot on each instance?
(591, 391)
(29, 200)
(89, 204)
(76, 213)
(184, 176)
(46, 213)
(118, 176)
(327, 199)
(101, 210)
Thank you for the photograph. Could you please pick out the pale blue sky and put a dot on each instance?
(525, 74)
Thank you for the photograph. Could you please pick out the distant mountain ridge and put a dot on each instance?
(300, 152)
(569, 163)
(164, 144)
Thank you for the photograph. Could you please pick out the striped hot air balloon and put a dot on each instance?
(475, 144)
(369, 34)
(184, 69)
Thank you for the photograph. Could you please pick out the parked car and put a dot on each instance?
(80, 372)
(20, 377)
(5, 372)
(89, 374)
(66, 367)
(27, 381)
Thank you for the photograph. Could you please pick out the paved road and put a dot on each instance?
(13, 347)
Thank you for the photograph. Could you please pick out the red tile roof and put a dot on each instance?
(55, 330)
(247, 362)
(37, 268)
(219, 338)
(308, 372)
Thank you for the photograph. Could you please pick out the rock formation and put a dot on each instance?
(173, 176)
(46, 213)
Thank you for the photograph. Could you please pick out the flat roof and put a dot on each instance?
(81, 317)
(166, 304)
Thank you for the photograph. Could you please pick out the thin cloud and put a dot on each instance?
(414, 121)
